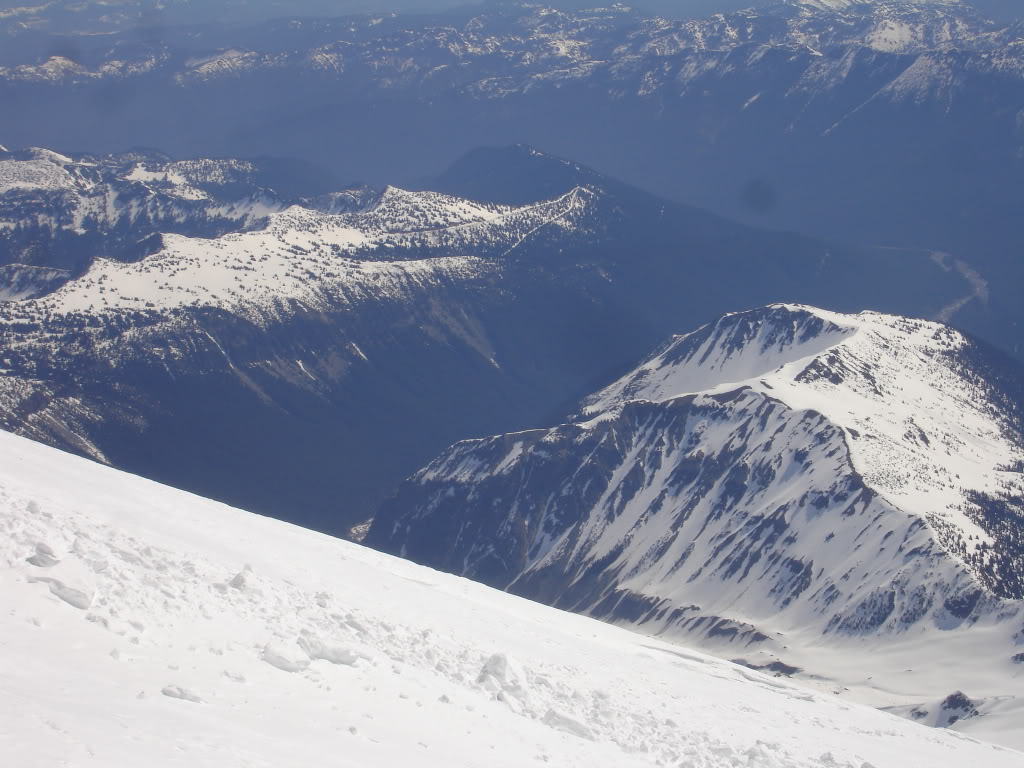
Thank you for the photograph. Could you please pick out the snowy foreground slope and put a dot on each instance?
(832, 496)
(141, 625)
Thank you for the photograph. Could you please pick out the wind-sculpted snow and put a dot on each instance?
(145, 626)
(781, 479)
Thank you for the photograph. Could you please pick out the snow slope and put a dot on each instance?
(62, 212)
(923, 431)
(144, 626)
(301, 253)
(19, 281)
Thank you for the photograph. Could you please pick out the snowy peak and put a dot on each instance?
(928, 429)
(734, 349)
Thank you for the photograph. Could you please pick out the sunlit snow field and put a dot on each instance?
(141, 625)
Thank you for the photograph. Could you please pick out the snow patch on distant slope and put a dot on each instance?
(19, 282)
(33, 174)
(302, 253)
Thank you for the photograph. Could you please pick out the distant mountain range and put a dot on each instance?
(95, 16)
(883, 124)
(303, 366)
(787, 486)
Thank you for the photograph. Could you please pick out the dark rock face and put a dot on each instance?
(954, 708)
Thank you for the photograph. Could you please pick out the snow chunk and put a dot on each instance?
(335, 654)
(71, 580)
(562, 722)
(240, 580)
(287, 658)
(177, 692)
(44, 556)
(503, 677)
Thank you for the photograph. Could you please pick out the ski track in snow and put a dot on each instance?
(140, 625)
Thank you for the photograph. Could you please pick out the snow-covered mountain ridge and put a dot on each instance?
(925, 429)
(331, 328)
(786, 485)
(143, 625)
(60, 212)
(506, 49)
(301, 252)
(356, 303)
(404, 251)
